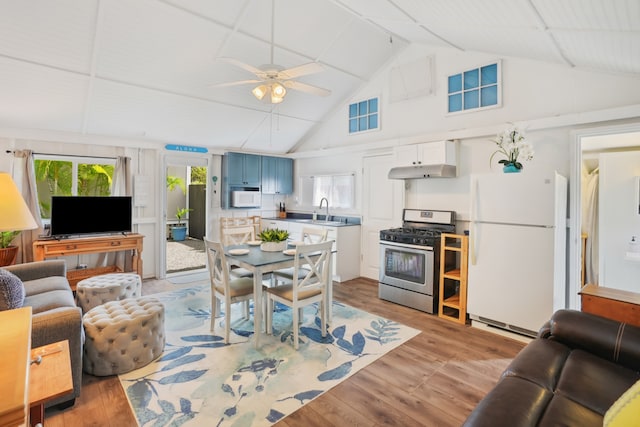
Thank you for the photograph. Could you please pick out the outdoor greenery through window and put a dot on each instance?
(71, 176)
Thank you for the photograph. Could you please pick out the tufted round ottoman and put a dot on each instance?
(97, 290)
(123, 335)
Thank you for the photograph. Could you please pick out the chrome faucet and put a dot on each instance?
(324, 199)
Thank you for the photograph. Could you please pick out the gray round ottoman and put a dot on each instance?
(97, 290)
(123, 335)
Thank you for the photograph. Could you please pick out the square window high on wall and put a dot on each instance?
(364, 116)
(475, 89)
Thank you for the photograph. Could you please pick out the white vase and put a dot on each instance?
(273, 246)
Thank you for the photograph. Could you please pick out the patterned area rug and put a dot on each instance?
(200, 381)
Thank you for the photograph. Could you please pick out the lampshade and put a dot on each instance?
(259, 91)
(277, 93)
(14, 213)
(276, 90)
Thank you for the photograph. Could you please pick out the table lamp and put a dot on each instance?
(14, 217)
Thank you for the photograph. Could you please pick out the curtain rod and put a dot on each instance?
(66, 155)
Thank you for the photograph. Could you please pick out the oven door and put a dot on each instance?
(407, 267)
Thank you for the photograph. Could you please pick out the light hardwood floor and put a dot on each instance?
(435, 379)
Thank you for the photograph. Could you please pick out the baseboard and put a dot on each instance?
(500, 331)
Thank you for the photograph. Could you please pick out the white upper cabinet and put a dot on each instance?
(428, 153)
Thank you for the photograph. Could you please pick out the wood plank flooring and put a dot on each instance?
(435, 379)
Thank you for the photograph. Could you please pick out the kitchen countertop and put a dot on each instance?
(335, 221)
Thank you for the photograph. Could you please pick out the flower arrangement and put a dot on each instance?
(511, 143)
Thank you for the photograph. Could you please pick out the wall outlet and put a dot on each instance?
(82, 266)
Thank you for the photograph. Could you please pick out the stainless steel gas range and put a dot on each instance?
(410, 258)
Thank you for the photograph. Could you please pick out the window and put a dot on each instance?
(71, 176)
(338, 189)
(475, 88)
(363, 116)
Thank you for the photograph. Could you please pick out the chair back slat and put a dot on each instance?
(314, 235)
(231, 222)
(314, 258)
(237, 235)
(217, 264)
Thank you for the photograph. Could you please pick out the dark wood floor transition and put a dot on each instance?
(435, 379)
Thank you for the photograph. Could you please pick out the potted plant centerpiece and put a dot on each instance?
(179, 230)
(7, 251)
(273, 239)
(511, 143)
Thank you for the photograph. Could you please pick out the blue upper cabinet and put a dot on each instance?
(243, 170)
(277, 175)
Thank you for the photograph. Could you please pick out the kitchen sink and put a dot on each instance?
(319, 222)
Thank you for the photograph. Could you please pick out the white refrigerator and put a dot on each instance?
(517, 240)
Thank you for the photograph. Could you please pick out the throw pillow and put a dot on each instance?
(624, 411)
(12, 291)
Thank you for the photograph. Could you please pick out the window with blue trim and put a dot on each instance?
(476, 88)
(364, 115)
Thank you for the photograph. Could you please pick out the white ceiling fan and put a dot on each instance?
(274, 79)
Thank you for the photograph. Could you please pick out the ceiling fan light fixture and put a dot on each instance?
(278, 90)
(259, 91)
(277, 93)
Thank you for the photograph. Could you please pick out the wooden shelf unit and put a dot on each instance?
(453, 307)
(51, 248)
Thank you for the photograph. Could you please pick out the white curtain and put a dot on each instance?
(25, 177)
(121, 185)
(590, 223)
(122, 180)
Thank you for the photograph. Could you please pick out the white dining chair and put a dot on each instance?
(312, 288)
(309, 236)
(234, 235)
(223, 288)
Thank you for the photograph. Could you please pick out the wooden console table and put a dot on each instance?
(616, 304)
(50, 248)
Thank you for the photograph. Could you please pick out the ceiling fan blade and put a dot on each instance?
(238, 83)
(303, 87)
(240, 64)
(301, 70)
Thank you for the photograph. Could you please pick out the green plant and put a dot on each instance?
(174, 182)
(181, 213)
(6, 237)
(274, 235)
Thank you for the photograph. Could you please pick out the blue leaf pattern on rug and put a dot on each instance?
(201, 381)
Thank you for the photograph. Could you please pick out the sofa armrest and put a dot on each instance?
(59, 324)
(39, 269)
(612, 340)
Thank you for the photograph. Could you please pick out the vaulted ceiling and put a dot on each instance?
(152, 69)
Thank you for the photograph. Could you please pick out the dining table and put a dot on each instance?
(261, 263)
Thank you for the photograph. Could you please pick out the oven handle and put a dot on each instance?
(405, 245)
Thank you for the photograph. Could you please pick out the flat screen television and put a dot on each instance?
(79, 215)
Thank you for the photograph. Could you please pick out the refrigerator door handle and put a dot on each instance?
(472, 228)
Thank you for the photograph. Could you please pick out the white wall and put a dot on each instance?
(531, 90)
(619, 219)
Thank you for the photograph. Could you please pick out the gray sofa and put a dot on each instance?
(55, 315)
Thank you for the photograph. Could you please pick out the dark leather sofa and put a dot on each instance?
(568, 376)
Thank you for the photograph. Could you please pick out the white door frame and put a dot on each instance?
(575, 202)
(176, 159)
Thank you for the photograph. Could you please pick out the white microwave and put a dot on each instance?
(246, 199)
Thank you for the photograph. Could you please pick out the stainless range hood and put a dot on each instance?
(422, 171)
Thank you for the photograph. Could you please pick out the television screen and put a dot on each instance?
(72, 215)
